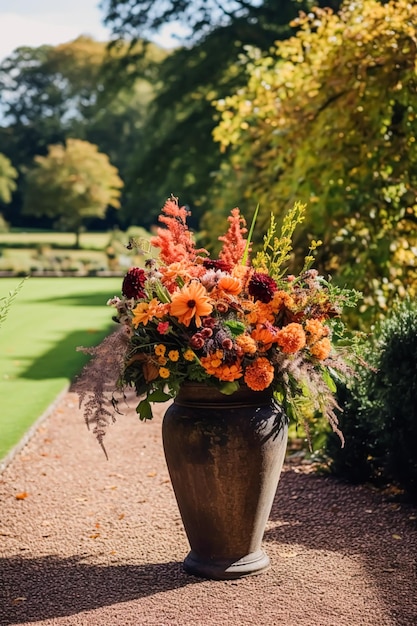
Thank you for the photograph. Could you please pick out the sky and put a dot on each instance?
(37, 22)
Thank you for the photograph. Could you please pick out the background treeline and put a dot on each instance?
(266, 102)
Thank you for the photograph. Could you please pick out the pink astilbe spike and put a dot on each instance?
(234, 243)
(176, 240)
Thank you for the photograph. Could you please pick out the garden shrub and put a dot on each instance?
(379, 417)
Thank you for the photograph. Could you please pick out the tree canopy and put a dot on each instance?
(330, 119)
(72, 183)
(177, 154)
(51, 93)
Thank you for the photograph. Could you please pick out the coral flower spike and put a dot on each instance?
(191, 302)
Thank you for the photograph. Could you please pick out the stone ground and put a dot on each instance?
(86, 541)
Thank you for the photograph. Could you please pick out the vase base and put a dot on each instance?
(226, 569)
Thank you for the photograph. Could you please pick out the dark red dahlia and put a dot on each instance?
(262, 287)
(133, 283)
(223, 266)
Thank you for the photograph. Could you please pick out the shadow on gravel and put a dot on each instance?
(321, 513)
(51, 587)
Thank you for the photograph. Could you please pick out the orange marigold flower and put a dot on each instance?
(247, 344)
(321, 349)
(191, 302)
(314, 330)
(144, 312)
(260, 374)
(189, 355)
(265, 336)
(281, 300)
(291, 338)
(230, 285)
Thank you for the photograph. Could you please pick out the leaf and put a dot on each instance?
(159, 396)
(144, 410)
(21, 496)
(329, 381)
(229, 388)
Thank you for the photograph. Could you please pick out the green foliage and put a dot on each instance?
(277, 250)
(380, 412)
(329, 118)
(73, 182)
(177, 154)
(8, 176)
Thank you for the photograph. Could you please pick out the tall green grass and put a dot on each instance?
(48, 319)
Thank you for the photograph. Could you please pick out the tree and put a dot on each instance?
(72, 183)
(8, 176)
(177, 154)
(261, 20)
(48, 94)
(329, 119)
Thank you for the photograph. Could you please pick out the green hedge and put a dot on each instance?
(379, 417)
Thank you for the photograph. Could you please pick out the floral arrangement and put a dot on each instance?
(236, 320)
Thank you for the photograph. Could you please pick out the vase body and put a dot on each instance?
(224, 455)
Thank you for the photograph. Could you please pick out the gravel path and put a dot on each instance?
(93, 542)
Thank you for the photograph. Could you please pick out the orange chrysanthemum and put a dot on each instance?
(291, 338)
(260, 374)
(212, 361)
(191, 302)
(321, 349)
(213, 366)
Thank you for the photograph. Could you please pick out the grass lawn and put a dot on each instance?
(48, 319)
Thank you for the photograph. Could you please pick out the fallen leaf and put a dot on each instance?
(21, 496)
(94, 535)
(151, 474)
(19, 599)
(121, 516)
(396, 537)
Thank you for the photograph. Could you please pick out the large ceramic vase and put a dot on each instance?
(224, 455)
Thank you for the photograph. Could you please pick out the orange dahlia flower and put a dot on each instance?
(191, 302)
(265, 336)
(291, 338)
(259, 375)
(230, 285)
